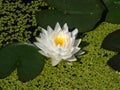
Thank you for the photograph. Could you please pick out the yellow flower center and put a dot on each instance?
(59, 40)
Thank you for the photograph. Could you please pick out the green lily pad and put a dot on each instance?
(25, 57)
(75, 6)
(31, 62)
(113, 11)
(81, 14)
(84, 22)
(114, 62)
(112, 41)
(8, 61)
(50, 17)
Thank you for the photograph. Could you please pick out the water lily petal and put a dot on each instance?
(55, 61)
(44, 53)
(57, 27)
(50, 30)
(77, 42)
(41, 46)
(80, 52)
(76, 49)
(65, 27)
(66, 56)
(72, 59)
(74, 32)
(38, 39)
(44, 31)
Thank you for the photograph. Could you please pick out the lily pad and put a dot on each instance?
(25, 57)
(8, 61)
(75, 6)
(80, 14)
(114, 62)
(113, 11)
(112, 41)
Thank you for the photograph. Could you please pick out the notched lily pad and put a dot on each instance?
(8, 61)
(31, 62)
(25, 57)
(80, 14)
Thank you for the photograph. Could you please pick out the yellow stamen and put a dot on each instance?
(59, 40)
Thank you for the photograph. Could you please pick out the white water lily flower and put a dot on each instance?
(58, 44)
